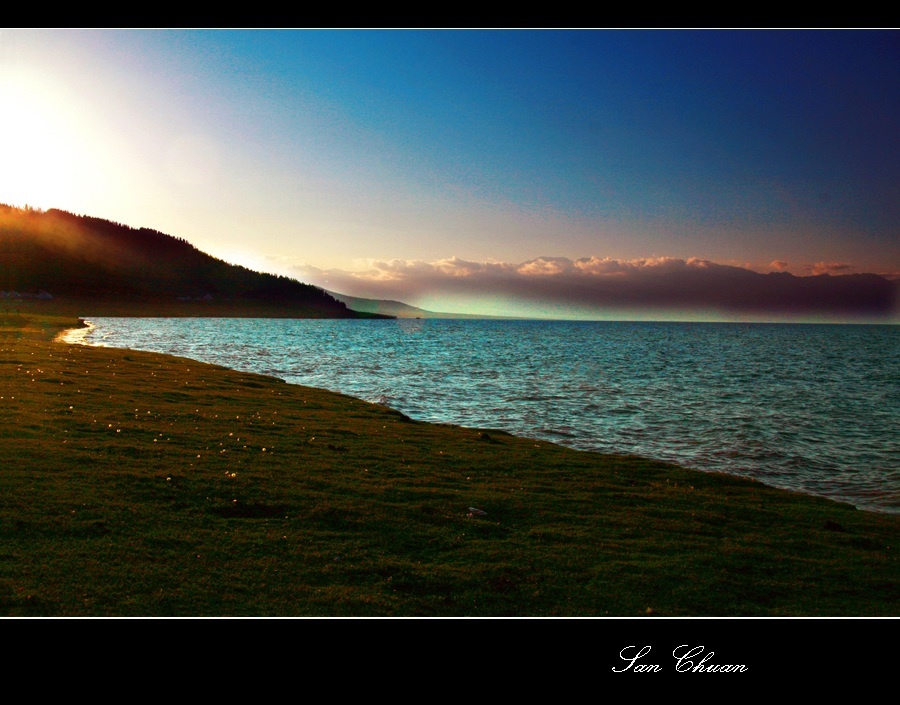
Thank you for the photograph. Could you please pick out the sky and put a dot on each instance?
(479, 171)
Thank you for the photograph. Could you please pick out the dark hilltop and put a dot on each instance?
(64, 263)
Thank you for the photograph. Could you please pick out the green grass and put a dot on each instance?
(137, 484)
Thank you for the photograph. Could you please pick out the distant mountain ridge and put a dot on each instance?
(685, 286)
(58, 256)
(398, 309)
(81, 265)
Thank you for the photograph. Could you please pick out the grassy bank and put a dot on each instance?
(141, 484)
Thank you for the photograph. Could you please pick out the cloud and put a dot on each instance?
(832, 268)
(595, 282)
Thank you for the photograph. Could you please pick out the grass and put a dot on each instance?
(138, 484)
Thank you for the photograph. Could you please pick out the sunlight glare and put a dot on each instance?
(40, 150)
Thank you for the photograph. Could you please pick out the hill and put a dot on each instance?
(71, 263)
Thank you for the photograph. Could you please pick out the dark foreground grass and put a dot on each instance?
(137, 484)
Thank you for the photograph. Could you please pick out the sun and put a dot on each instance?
(40, 150)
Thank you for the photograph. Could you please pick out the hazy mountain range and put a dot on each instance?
(398, 309)
(84, 265)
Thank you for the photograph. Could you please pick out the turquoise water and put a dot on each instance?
(813, 408)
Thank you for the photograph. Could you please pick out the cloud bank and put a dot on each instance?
(601, 283)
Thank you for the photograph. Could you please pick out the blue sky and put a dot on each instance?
(354, 158)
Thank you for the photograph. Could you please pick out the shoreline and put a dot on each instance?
(143, 484)
(668, 448)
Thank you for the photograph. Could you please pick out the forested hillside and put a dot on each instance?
(58, 256)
